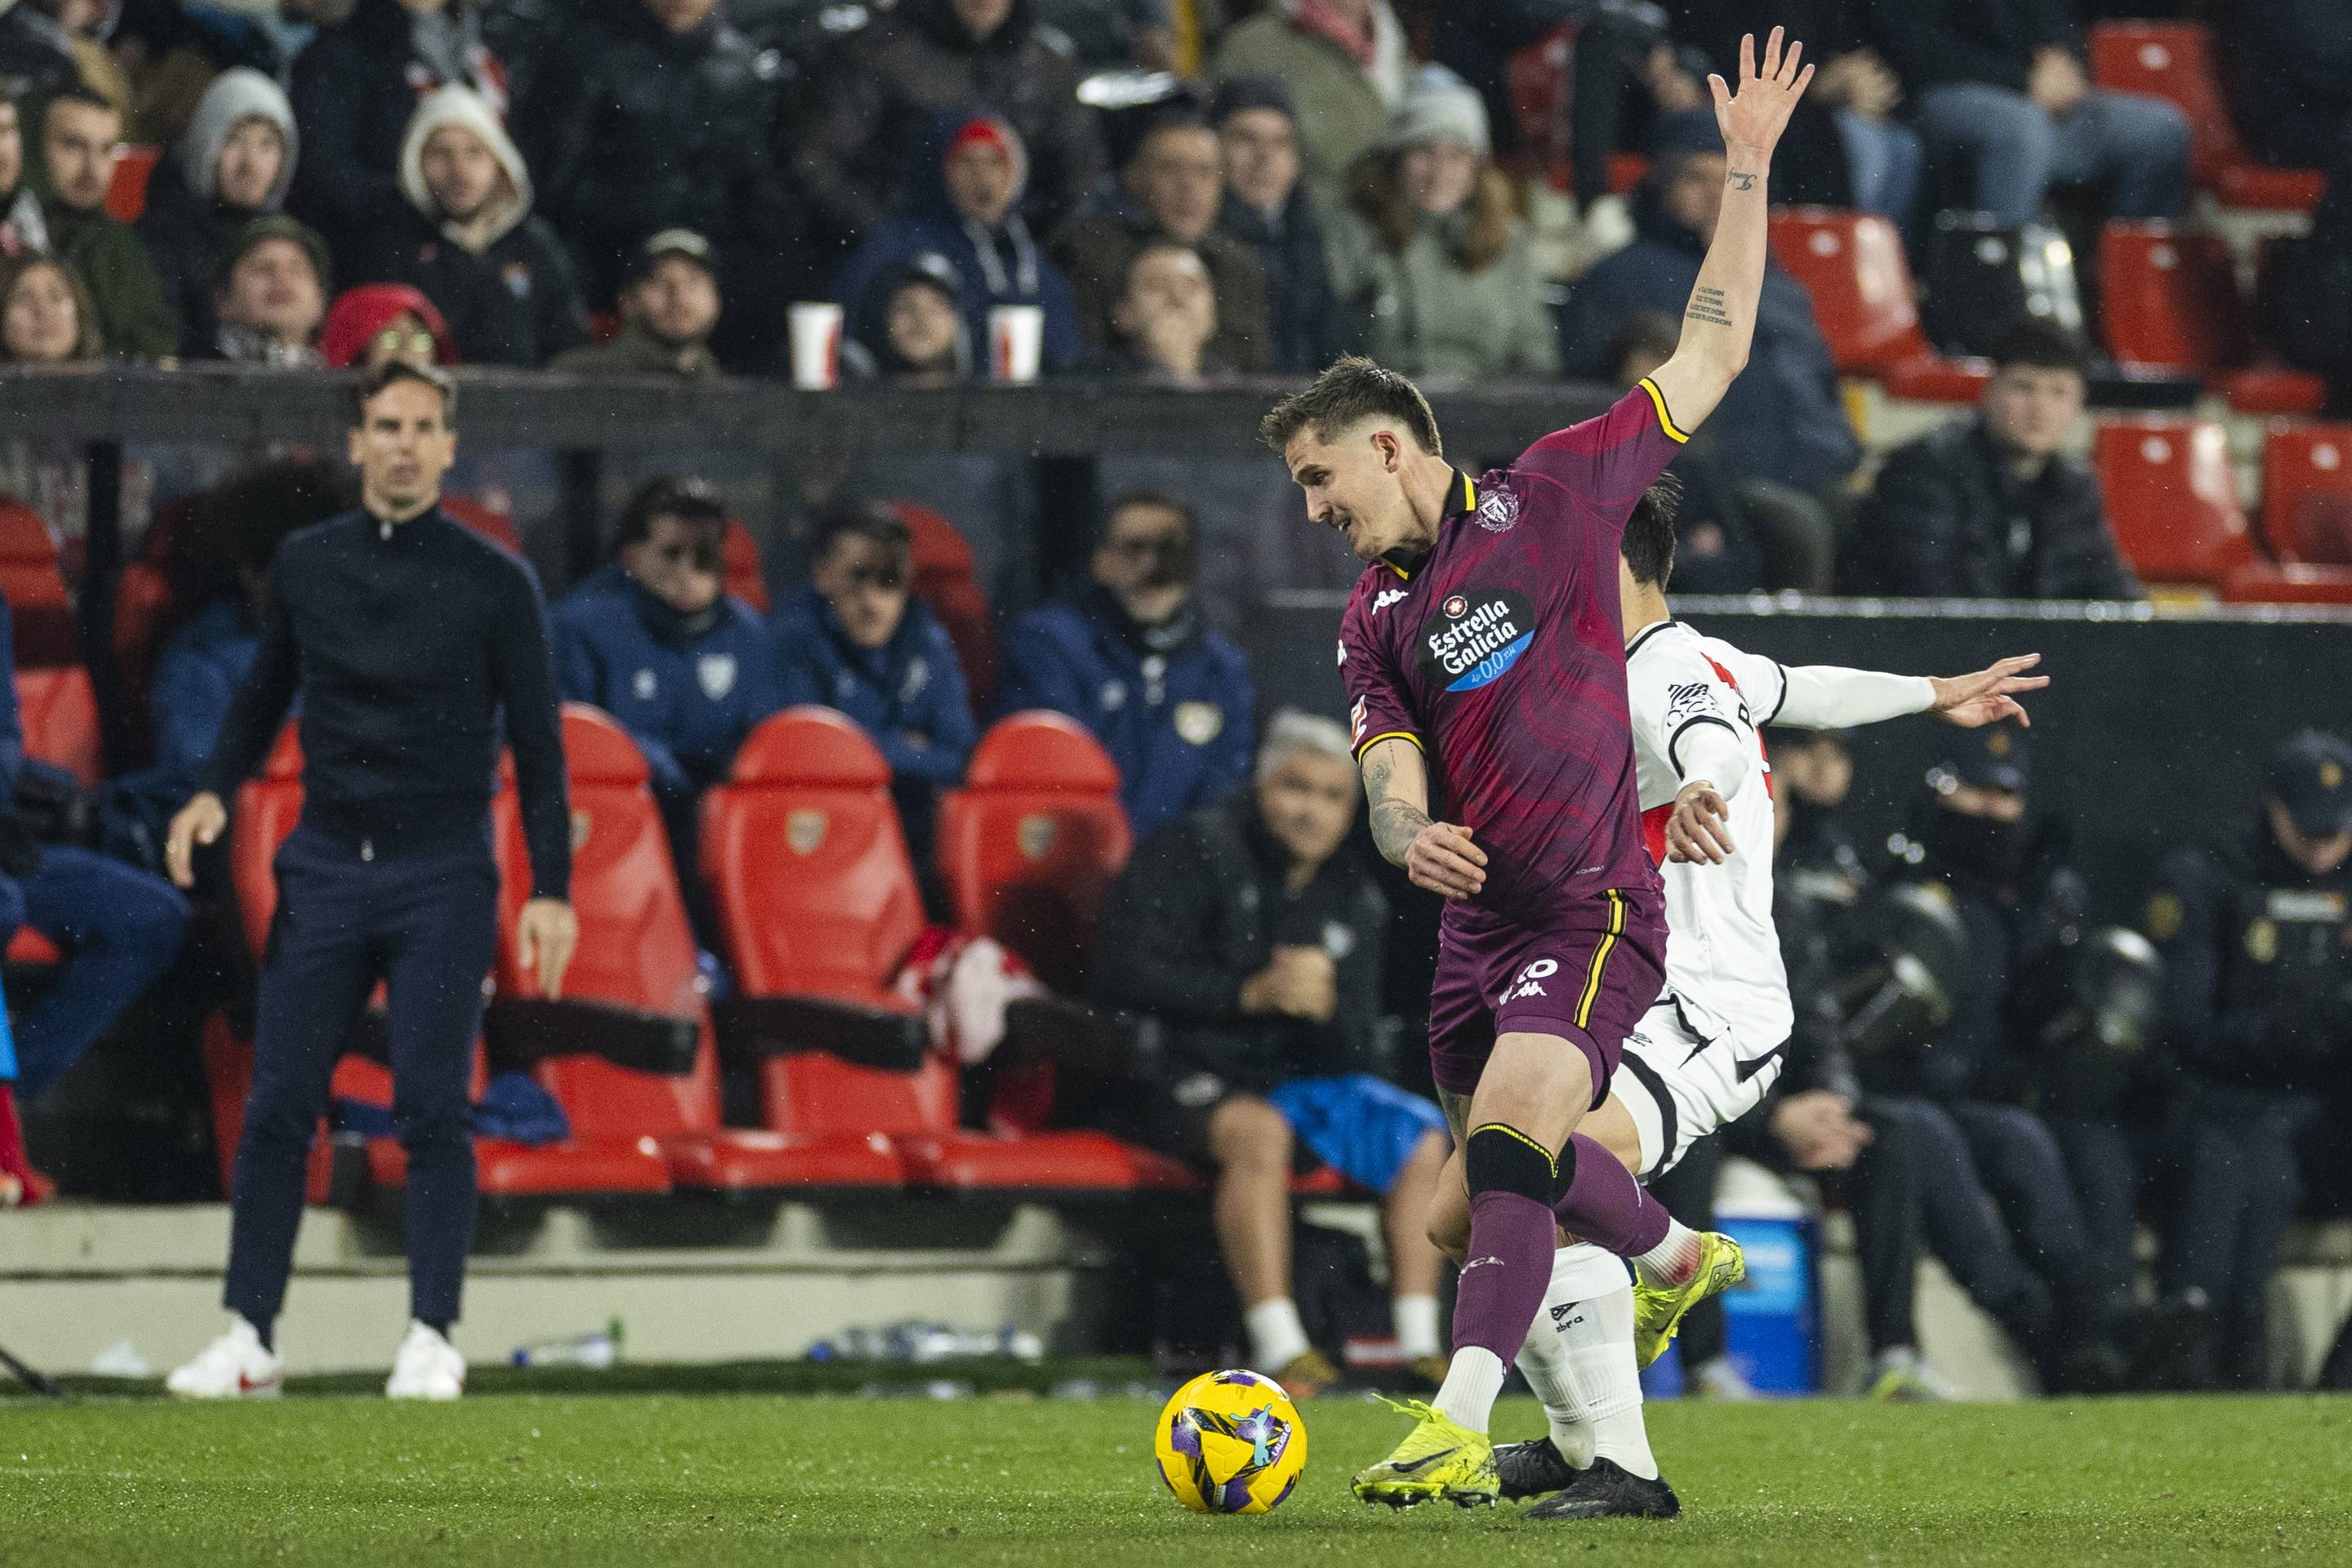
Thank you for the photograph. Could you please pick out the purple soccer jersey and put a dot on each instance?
(1500, 654)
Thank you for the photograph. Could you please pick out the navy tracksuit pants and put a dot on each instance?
(348, 915)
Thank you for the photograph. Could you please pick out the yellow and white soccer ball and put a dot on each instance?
(1230, 1442)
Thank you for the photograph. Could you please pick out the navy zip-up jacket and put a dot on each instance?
(912, 686)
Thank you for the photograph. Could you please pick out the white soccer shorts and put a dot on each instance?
(1678, 1085)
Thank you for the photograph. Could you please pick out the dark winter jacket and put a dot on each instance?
(196, 678)
(1949, 521)
(135, 320)
(187, 227)
(908, 694)
(1303, 333)
(885, 84)
(1932, 42)
(1097, 248)
(1201, 908)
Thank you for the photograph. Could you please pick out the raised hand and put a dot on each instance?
(1971, 701)
(1752, 118)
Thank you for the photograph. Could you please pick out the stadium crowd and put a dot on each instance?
(1185, 191)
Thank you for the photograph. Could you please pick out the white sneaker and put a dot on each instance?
(427, 1367)
(234, 1366)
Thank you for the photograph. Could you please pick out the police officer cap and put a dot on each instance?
(2311, 775)
(1993, 757)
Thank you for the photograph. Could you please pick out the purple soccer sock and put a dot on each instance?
(1510, 1264)
(1606, 1206)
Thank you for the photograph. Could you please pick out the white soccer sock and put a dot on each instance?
(1578, 1272)
(1674, 1260)
(1598, 1340)
(1276, 1336)
(1471, 1383)
(1416, 1326)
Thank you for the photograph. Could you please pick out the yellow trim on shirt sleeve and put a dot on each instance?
(1665, 420)
(1392, 735)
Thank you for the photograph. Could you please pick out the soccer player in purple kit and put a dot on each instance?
(1484, 657)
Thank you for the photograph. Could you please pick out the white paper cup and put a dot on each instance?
(817, 345)
(1016, 342)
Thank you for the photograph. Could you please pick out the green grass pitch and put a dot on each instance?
(580, 1481)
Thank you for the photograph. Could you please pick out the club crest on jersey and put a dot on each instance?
(1498, 508)
(1475, 638)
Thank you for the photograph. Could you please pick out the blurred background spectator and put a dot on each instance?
(1266, 208)
(46, 316)
(1716, 547)
(269, 295)
(1165, 319)
(1347, 67)
(908, 324)
(669, 311)
(377, 322)
(1992, 505)
(21, 225)
(1106, 33)
(1429, 261)
(82, 135)
(235, 164)
(45, 45)
(2292, 78)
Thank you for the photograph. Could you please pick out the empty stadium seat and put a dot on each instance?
(2291, 582)
(637, 954)
(59, 714)
(747, 577)
(802, 850)
(38, 603)
(2308, 494)
(1030, 843)
(1851, 265)
(946, 583)
(2172, 498)
(126, 193)
(2170, 300)
(2174, 61)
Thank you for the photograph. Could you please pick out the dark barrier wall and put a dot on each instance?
(2152, 734)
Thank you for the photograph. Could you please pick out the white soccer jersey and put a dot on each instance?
(1723, 957)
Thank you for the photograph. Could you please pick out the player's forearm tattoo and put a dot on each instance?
(1740, 182)
(1395, 824)
(1708, 305)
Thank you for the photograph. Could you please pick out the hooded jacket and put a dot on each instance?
(504, 283)
(891, 78)
(186, 224)
(999, 265)
(1782, 420)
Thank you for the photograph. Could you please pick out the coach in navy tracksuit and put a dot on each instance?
(412, 644)
(1129, 657)
(857, 640)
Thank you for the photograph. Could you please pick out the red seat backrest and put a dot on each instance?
(747, 579)
(126, 193)
(2170, 300)
(2308, 494)
(945, 582)
(1030, 843)
(1851, 265)
(495, 524)
(813, 1094)
(2172, 498)
(635, 947)
(39, 602)
(59, 713)
(803, 854)
(267, 809)
(2174, 61)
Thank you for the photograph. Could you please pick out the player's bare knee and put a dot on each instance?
(1246, 1131)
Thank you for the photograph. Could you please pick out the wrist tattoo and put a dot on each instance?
(1740, 182)
(1395, 824)
(1709, 305)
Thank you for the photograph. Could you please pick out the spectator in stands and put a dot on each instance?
(654, 639)
(909, 325)
(2256, 968)
(471, 244)
(2292, 78)
(873, 98)
(117, 927)
(2309, 289)
(233, 165)
(1256, 934)
(1266, 208)
(670, 309)
(46, 316)
(1782, 433)
(659, 115)
(81, 133)
(376, 323)
(1716, 548)
(1109, 35)
(962, 203)
(354, 88)
(857, 639)
(1166, 318)
(2005, 87)
(270, 296)
(1347, 65)
(1170, 188)
(41, 53)
(1128, 657)
(1993, 506)
(22, 228)
(1430, 265)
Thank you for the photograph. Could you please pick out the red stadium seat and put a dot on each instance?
(1030, 843)
(2174, 61)
(802, 850)
(2307, 494)
(495, 524)
(126, 193)
(944, 581)
(1851, 265)
(2273, 389)
(2170, 300)
(2172, 498)
(2292, 583)
(59, 713)
(38, 603)
(747, 578)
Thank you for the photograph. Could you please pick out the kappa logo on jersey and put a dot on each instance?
(1497, 511)
(1385, 598)
(1531, 979)
(1475, 638)
(1358, 720)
